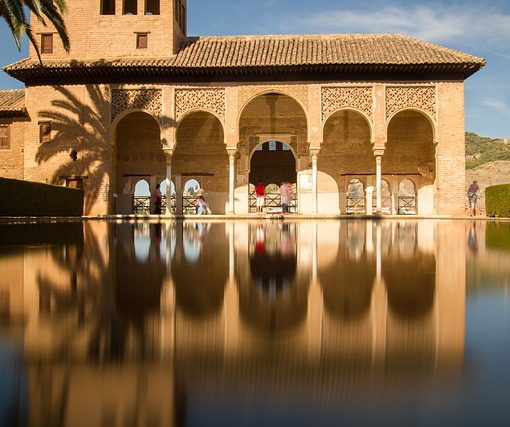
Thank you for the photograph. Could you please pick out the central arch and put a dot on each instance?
(272, 163)
(273, 135)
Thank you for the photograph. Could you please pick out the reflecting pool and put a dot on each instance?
(312, 323)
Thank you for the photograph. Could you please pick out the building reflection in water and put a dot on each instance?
(179, 323)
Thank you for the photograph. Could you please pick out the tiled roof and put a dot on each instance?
(331, 49)
(247, 55)
(12, 102)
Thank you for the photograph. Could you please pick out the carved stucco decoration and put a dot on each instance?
(212, 100)
(144, 99)
(335, 98)
(400, 97)
(298, 92)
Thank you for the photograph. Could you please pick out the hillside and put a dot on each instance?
(481, 150)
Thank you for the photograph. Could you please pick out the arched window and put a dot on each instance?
(142, 198)
(355, 197)
(162, 187)
(406, 197)
(385, 198)
(189, 196)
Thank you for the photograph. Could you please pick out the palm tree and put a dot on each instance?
(14, 13)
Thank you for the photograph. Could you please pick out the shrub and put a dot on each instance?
(497, 236)
(497, 200)
(24, 198)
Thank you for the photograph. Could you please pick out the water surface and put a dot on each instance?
(357, 323)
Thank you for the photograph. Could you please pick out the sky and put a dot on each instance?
(478, 27)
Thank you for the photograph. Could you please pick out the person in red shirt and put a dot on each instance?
(260, 193)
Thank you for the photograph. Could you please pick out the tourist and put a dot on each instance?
(285, 196)
(260, 192)
(473, 192)
(158, 198)
(202, 208)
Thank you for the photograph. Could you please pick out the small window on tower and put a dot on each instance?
(129, 7)
(152, 7)
(141, 40)
(107, 7)
(46, 43)
(5, 142)
(44, 132)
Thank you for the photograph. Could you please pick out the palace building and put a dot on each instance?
(357, 123)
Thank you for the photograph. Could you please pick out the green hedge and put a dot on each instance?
(24, 198)
(497, 235)
(497, 201)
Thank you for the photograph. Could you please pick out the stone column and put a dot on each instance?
(378, 153)
(231, 179)
(315, 154)
(168, 158)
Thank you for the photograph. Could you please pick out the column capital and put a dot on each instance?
(232, 151)
(168, 152)
(314, 151)
(378, 152)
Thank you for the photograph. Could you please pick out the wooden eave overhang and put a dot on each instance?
(82, 73)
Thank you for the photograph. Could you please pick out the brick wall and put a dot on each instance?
(12, 158)
(96, 36)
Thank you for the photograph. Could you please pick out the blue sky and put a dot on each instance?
(479, 27)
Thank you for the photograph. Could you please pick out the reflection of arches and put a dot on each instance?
(139, 280)
(410, 283)
(347, 281)
(355, 197)
(272, 292)
(142, 198)
(407, 197)
(200, 283)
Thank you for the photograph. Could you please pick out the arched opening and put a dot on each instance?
(167, 197)
(407, 198)
(142, 198)
(138, 155)
(410, 153)
(274, 165)
(355, 197)
(190, 193)
(272, 131)
(346, 152)
(200, 154)
(385, 198)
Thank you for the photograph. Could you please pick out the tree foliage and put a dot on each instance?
(14, 13)
(481, 150)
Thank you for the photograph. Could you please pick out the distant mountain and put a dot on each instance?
(481, 150)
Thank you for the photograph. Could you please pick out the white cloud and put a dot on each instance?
(440, 24)
(496, 104)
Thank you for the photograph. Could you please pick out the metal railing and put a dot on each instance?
(407, 205)
(189, 204)
(272, 202)
(385, 204)
(141, 205)
(355, 205)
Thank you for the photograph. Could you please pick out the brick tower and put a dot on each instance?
(107, 29)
